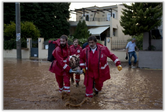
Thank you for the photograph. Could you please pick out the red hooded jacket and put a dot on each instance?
(96, 65)
(61, 62)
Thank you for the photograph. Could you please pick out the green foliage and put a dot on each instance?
(50, 18)
(81, 31)
(10, 31)
(141, 17)
(11, 44)
(43, 16)
(81, 41)
(9, 12)
(28, 29)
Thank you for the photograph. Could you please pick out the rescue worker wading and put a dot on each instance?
(93, 60)
(75, 49)
(61, 66)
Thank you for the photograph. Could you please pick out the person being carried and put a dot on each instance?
(93, 61)
(75, 49)
(130, 50)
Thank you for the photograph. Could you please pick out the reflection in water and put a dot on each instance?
(29, 85)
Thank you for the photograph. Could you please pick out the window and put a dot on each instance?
(114, 15)
(108, 16)
(87, 17)
(114, 32)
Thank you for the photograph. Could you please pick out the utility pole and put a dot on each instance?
(18, 30)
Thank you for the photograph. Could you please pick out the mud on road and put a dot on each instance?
(28, 85)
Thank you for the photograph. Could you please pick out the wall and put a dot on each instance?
(158, 44)
(122, 55)
(13, 53)
(151, 59)
(43, 53)
(155, 42)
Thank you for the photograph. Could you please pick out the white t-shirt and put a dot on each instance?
(131, 46)
(93, 50)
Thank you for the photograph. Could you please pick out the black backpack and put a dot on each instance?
(51, 47)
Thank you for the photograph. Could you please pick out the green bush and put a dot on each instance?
(28, 30)
(10, 31)
(11, 44)
(81, 41)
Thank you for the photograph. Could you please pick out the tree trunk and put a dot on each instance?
(149, 41)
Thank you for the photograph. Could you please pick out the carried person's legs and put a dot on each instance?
(77, 78)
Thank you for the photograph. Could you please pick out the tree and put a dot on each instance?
(81, 30)
(141, 17)
(50, 18)
(81, 33)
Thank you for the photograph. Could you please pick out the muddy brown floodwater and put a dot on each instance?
(28, 84)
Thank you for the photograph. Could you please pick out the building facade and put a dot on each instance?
(102, 22)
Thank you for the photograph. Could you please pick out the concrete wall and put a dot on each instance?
(42, 52)
(122, 55)
(13, 53)
(151, 59)
(158, 43)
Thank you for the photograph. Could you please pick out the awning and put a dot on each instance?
(97, 31)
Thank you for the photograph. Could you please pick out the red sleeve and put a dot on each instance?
(59, 58)
(112, 56)
(70, 50)
(57, 42)
(82, 58)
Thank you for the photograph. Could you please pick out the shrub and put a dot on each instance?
(28, 30)
(11, 44)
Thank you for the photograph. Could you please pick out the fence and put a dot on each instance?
(118, 44)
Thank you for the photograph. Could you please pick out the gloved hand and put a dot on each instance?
(119, 67)
(70, 71)
(84, 70)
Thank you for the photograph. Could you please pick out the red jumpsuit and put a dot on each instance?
(76, 50)
(97, 68)
(61, 68)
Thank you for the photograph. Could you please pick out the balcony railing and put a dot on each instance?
(95, 19)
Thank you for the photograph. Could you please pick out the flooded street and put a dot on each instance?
(28, 84)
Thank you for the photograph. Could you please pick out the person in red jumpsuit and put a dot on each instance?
(61, 66)
(75, 49)
(93, 61)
